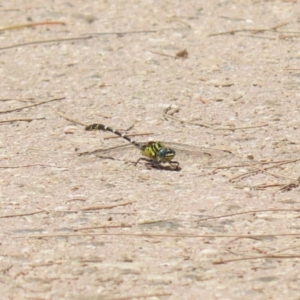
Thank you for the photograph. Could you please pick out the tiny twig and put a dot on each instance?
(126, 32)
(33, 165)
(91, 208)
(241, 128)
(245, 165)
(20, 120)
(170, 111)
(256, 257)
(294, 184)
(46, 42)
(256, 36)
(76, 199)
(105, 206)
(102, 227)
(180, 54)
(31, 25)
(263, 170)
(14, 99)
(271, 167)
(163, 54)
(293, 32)
(266, 185)
(285, 36)
(163, 235)
(21, 215)
(247, 212)
(88, 37)
(274, 28)
(167, 114)
(4, 270)
(31, 105)
(284, 249)
(69, 118)
(155, 295)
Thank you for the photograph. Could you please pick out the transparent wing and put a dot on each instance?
(110, 150)
(204, 156)
(195, 149)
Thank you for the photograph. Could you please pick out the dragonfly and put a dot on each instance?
(156, 154)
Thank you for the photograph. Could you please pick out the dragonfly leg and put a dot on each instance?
(148, 161)
(155, 164)
(175, 165)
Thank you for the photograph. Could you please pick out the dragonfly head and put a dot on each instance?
(166, 154)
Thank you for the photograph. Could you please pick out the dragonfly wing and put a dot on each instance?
(203, 155)
(109, 150)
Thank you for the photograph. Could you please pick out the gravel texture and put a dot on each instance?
(97, 227)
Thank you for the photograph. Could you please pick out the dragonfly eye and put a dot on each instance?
(162, 152)
(166, 152)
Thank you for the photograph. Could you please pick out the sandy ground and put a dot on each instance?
(89, 227)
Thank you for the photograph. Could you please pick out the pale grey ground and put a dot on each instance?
(248, 80)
